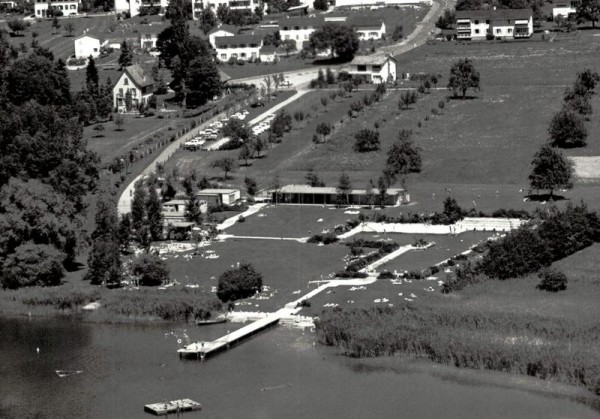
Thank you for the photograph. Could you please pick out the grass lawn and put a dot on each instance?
(291, 63)
(286, 266)
(290, 221)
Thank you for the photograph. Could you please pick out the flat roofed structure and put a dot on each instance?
(308, 195)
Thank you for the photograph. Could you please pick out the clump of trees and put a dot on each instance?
(341, 40)
(403, 157)
(367, 140)
(237, 283)
(150, 270)
(552, 280)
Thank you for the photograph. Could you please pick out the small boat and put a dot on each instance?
(66, 373)
(216, 320)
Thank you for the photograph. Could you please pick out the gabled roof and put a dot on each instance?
(268, 49)
(138, 76)
(224, 76)
(237, 40)
(153, 29)
(359, 21)
(228, 28)
(375, 59)
(301, 21)
(90, 35)
(495, 14)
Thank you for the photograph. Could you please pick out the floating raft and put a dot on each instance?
(174, 406)
(66, 373)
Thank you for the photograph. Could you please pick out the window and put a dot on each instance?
(243, 55)
(223, 56)
(376, 68)
(95, 49)
(509, 30)
(286, 37)
(487, 22)
(234, 55)
(253, 55)
(120, 92)
(498, 30)
(126, 81)
(477, 31)
(361, 68)
(477, 22)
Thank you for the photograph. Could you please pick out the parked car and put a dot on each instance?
(193, 145)
(258, 104)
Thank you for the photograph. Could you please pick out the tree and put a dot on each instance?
(382, 186)
(586, 81)
(398, 33)
(70, 28)
(16, 25)
(154, 214)
(343, 189)
(579, 103)
(222, 12)
(32, 264)
(91, 78)
(193, 212)
(446, 20)
(124, 232)
(119, 121)
(288, 45)
(452, 210)
(237, 130)
(340, 40)
(321, 5)
(257, 145)
(226, 164)
(367, 140)
(251, 186)
(588, 10)
(55, 24)
(463, 76)
(407, 98)
(324, 129)
(403, 156)
(126, 56)
(138, 206)
(552, 280)
(281, 124)
(237, 283)
(208, 20)
(202, 81)
(272, 39)
(567, 130)
(150, 270)
(245, 154)
(550, 170)
(312, 179)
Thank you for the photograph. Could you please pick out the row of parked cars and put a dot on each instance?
(212, 132)
(264, 125)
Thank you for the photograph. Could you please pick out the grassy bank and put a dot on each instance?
(116, 306)
(552, 349)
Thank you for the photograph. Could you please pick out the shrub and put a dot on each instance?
(386, 275)
(303, 303)
(328, 238)
(552, 280)
(351, 274)
(237, 283)
(32, 264)
(241, 219)
(150, 270)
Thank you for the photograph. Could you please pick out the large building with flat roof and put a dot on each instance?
(325, 195)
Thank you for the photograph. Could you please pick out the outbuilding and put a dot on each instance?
(309, 195)
(376, 68)
(219, 196)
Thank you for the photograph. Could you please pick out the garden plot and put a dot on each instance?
(293, 221)
(286, 267)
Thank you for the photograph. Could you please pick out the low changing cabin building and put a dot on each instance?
(219, 196)
(139, 85)
(376, 68)
(325, 195)
(494, 24)
(241, 47)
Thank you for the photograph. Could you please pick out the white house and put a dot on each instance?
(241, 47)
(87, 45)
(174, 210)
(219, 196)
(375, 4)
(67, 7)
(267, 54)
(220, 31)
(7, 5)
(501, 24)
(367, 27)
(565, 9)
(148, 35)
(199, 5)
(134, 6)
(299, 29)
(135, 81)
(376, 68)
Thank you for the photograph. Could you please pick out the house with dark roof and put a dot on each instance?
(495, 24)
(148, 35)
(367, 27)
(134, 83)
(219, 31)
(375, 68)
(241, 47)
(268, 54)
(299, 29)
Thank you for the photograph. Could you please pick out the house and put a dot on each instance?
(218, 197)
(135, 81)
(7, 5)
(565, 9)
(498, 24)
(376, 68)
(136, 5)
(148, 35)
(87, 45)
(326, 195)
(376, 4)
(174, 210)
(66, 7)
(299, 29)
(199, 5)
(240, 47)
(220, 31)
(367, 27)
(267, 54)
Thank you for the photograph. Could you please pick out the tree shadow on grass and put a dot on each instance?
(460, 98)
(73, 266)
(544, 197)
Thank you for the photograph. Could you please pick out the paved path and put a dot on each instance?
(275, 108)
(253, 209)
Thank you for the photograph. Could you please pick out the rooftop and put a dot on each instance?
(175, 202)
(217, 191)
(237, 40)
(364, 21)
(301, 21)
(224, 27)
(138, 75)
(495, 14)
(330, 190)
(374, 59)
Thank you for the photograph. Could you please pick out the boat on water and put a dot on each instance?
(66, 373)
(215, 320)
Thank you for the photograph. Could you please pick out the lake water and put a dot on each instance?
(279, 373)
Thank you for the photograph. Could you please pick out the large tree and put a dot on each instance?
(343, 189)
(154, 214)
(203, 81)
(463, 76)
(403, 156)
(588, 10)
(32, 264)
(550, 170)
(126, 56)
(150, 270)
(226, 164)
(567, 129)
(340, 40)
(138, 206)
(367, 140)
(241, 282)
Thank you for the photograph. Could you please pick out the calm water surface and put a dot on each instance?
(277, 374)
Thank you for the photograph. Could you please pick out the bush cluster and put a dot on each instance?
(327, 238)
(237, 283)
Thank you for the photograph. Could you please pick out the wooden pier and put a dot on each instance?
(201, 350)
(174, 406)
